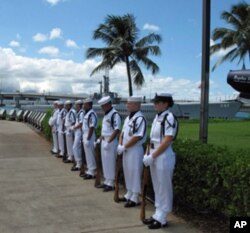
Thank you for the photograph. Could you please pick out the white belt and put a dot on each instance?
(154, 145)
(105, 138)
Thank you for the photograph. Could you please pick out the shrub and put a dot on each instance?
(45, 125)
(211, 178)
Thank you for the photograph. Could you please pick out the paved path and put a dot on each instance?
(39, 193)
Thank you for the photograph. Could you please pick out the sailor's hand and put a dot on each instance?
(120, 149)
(97, 142)
(148, 160)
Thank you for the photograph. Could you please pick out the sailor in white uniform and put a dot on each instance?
(53, 125)
(70, 121)
(88, 137)
(111, 126)
(131, 145)
(77, 128)
(61, 130)
(162, 160)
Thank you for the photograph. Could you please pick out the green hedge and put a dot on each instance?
(46, 129)
(211, 178)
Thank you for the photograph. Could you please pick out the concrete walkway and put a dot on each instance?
(39, 193)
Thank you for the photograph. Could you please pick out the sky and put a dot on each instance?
(43, 46)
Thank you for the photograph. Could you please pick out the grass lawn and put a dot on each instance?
(232, 133)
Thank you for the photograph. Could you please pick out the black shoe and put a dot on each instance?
(53, 153)
(148, 221)
(130, 204)
(67, 161)
(156, 225)
(75, 169)
(122, 199)
(108, 188)
(82, 174)
(88, 177)
(101, 186)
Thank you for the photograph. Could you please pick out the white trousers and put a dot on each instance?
(109, 160)
(55, 148)
(69, 142)
(90, 154)
(161, 174)
(77, 148)
(132, 168)
(61, 142)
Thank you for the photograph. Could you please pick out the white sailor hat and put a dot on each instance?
(104, 100)
(78, 102)
(60, 102)
(68, 102)
(88, 100)
(55, 102)
(137, 99)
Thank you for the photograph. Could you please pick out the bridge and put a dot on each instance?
(18, 98)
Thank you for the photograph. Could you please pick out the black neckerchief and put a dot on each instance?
(86, 111)
(159, 113)
(107, 112)
(132, 114)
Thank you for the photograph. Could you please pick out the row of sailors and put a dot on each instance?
(78, 126)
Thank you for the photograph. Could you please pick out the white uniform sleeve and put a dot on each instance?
(140, 127)
(93, 120)
(117, 121)
(170, 126)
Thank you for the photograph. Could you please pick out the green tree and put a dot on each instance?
(236, 38)
(120, 34)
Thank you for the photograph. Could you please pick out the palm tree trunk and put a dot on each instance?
(129, 77)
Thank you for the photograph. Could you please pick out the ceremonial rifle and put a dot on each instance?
(144, 186)
(98, 164)
(117, 176)
(83, 167)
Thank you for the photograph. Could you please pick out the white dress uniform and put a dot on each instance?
(111, 122)
(163, 166)
(132, 156)
(77, 145)
(53, 124)
(60, 122)
(70, 120)
(89, 120)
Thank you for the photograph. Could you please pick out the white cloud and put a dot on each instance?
(221, 52)
(53, 2)
(50, 50)
(71, 44)
(67, 76)
(55, 33)
(151, 27)
(39, 37)
(14, 43)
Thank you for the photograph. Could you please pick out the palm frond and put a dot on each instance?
(138, 78)
(237, 37)
(149, 39)
(227, 56)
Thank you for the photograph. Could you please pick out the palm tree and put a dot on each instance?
(237, 38)
(120, 35)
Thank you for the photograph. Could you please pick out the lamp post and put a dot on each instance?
(205, 71)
